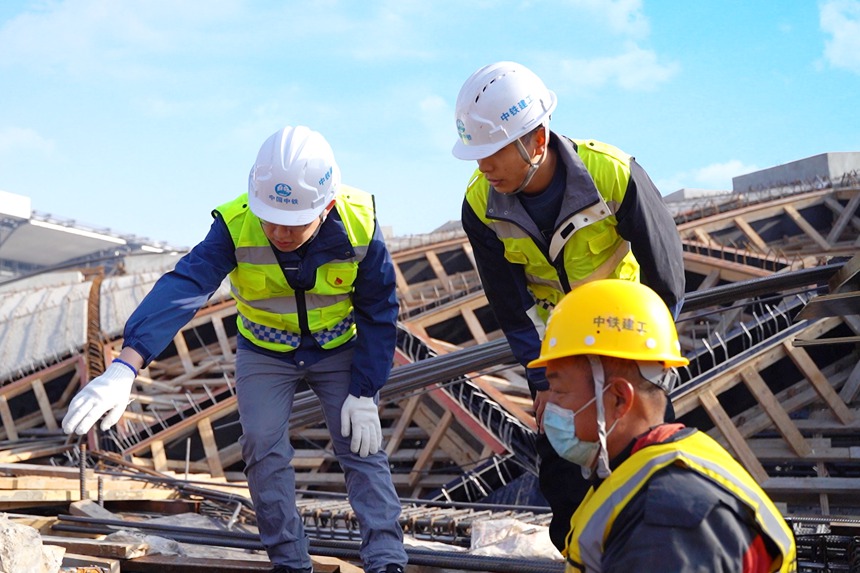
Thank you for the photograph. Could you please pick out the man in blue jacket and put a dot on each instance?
(314, 286)
(545, 213)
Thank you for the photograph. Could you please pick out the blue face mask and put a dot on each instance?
(561, 432)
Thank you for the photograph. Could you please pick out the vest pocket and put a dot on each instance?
(253, 280)
(514, 255)
(341, 277)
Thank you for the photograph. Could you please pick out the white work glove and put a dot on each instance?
(361, 416)
(109, 393)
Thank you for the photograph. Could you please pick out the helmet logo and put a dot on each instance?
(516, 108)
(283, 190)
(461, 129)
(619, 324)
(326, 177)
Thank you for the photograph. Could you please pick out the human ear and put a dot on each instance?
(619, 396)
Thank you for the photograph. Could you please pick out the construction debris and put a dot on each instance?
(771, 325)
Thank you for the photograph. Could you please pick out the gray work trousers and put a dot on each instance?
(265, 388)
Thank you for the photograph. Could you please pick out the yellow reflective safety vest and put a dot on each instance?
(585, 243)
(592, 522)
(266, 303)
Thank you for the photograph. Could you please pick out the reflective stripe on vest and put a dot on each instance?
(266, 303)
(592, 522)
(587, 241)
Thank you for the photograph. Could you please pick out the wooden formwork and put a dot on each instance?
(184, 418)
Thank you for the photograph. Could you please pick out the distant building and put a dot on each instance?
(823, 170)
(690, 194)
(33, 242)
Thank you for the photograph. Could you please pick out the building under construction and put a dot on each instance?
(770, 324)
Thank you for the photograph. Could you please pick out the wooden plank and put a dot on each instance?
(468, 420)
(69, 495)
(84, 563)
(182, 351)
(436, 266)
(90, 508)
(756, 212)
(806, 227)
(735, 440)
(35, 453)
(526, 417)
(24, 469)
(207, 436)
(44, 404)
(223, 338)
(474, 325)
(403, 422)
(798, 395)
(833, 304)
(429, 447)
(783, 423)
(185, 564)
(223, 408)
(99, 548)
(847, 277)
(729, 271)
(844, 218)
(777, 450)
(49, 483)
(852, 385)
(159, 456)
(835, 206)
(750, 233)
(799, 485)
(770, 352)
(8, 421)
(821, 385)
(702, 236)
(50, 373)
(470, 254)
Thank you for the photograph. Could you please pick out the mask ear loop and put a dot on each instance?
(603, 469)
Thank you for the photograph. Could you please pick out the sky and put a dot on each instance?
(141, 116)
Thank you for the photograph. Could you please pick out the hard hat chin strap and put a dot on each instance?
(317, 230)
(323, 217)
(603, 469)
(533, 165)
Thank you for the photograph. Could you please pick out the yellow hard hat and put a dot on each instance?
(612, 317)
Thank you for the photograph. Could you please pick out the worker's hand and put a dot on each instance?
(540, 401)
(360, 417)
(109, 393)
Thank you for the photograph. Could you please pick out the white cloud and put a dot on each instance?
(840, 19)
(635, 69)
(104, 38)
(437, 118)
(624, 60)
(13, 139)
(623, 17)
(719, 175)
(714, 176)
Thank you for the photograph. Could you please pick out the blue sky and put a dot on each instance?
(141, 116)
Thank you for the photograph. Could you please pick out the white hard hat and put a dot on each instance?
(294, 178)
(498, 104)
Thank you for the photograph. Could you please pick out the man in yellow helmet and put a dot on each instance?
(314, 286)
(664, 497)
(545, 213)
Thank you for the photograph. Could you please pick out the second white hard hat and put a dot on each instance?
(498, 104)
(294, 178)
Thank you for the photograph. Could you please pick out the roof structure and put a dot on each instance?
(771, 324)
